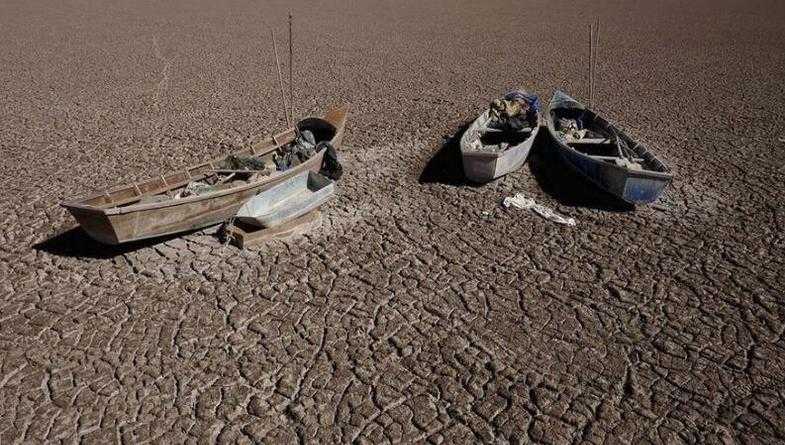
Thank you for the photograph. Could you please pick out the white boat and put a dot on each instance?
(286, 201)
(489, 153)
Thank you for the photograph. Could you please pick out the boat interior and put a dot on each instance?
(215, 174)
(596, 138)
(500, 139)
(299, 189)
(510, 138)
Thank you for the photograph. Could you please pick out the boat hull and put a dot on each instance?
(642, 185)
(182, 217)
(633, 187)
(287, 201)
(485, 167)
(481, 167)
(117, 225)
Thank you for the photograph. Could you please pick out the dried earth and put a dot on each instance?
(419, 310)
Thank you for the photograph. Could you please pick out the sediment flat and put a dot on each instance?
(419, 309)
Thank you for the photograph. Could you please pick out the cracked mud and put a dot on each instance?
(419, 309)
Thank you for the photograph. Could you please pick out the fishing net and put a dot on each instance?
(517, 110)
(296, 152)
(233, 162)
(302, 149)
(195, 188)
(522, 96)
(574, 121)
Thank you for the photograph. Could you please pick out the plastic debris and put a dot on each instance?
(331, 167)
(296, 152)
(522, 202)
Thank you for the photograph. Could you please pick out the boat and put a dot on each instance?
(489, 153)
(243, 236)
(158, 206)
(605, 155)
(287, 200)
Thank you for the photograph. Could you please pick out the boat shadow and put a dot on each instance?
(75, 243)
(562, 183)
(446, 165)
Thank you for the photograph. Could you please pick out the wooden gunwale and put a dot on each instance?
(640, 149)
(483, 154)
(159, 185)
(643, 172)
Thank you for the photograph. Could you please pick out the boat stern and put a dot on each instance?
(337, 117)
(644, 189)
(480, 167)
(94, 222)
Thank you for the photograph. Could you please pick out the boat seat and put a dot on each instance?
(614, 158)
(524, 130)
(598, 141)
(224, 171)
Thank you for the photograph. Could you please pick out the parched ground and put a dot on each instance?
(419, 309)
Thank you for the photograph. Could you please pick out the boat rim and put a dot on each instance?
(169, 202)
(119, 210)
(638, 173)
(497, 154)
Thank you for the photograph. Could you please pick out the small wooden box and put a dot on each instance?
(244, 235)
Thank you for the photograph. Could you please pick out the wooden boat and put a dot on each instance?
(148, 209)
(488, 153)
(287, 200)
(242, 235)
(604, 154)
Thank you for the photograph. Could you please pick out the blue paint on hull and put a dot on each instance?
(640, 190)
(634, 187)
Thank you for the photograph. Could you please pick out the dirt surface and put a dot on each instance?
(420, 309)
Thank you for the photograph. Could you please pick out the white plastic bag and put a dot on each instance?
(522, 202)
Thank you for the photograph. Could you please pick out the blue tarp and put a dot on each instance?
(523, 96)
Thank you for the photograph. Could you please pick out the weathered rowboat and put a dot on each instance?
(287, 200)
(122, 214)
(604, 154)
(488, 153)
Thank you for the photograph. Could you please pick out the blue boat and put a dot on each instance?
(605, 155)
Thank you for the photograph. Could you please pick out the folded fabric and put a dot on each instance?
(522, 202)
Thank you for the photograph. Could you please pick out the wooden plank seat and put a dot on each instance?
(586, 141)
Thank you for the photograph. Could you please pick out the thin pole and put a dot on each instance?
(291, 88)
(591, 63)
(596, 51)
(280, 79)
